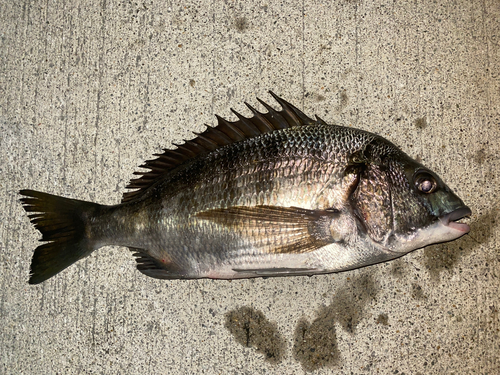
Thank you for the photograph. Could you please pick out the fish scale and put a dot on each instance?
(275, 194)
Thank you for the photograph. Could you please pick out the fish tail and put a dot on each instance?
(65, 224)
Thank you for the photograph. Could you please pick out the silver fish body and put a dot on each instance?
(273, 195)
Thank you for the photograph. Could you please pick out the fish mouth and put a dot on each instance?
(446, 228)
(451, 219)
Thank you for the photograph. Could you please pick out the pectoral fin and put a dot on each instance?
(278, 229)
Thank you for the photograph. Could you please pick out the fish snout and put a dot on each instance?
(451, 219)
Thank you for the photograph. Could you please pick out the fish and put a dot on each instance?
(274, 194)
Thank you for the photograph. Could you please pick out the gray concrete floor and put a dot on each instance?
(90, 89)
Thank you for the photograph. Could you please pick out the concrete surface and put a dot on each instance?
(90, 89)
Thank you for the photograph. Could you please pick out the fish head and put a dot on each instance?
(403, 206)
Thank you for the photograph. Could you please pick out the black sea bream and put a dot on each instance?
(277, 194)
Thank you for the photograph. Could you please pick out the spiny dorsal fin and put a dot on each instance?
(226, 132)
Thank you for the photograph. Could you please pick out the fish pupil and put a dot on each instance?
(425, 182)
(426, 186)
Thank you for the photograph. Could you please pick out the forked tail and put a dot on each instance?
(65, 225)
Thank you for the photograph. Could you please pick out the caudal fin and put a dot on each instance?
(64, 223)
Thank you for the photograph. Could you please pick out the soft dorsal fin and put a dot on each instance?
(226, 132)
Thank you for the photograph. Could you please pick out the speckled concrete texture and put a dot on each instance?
(91, 89)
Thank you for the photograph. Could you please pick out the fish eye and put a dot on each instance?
(425, 182)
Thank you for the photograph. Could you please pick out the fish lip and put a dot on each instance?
(450, 219)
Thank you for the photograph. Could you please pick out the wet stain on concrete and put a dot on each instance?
(343, 99)
(479, 157)
(438, 258)
(417, 292)
(251, 329)
(314, 96)
(398, 268)
(349, 302)
(420, 123)
(383, 319)
(484, 228)
(241, 24)
(315, 344)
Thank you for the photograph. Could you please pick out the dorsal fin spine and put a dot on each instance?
(220, 137)
(178, 152)
(167, 158)
(252, 129)
(236, 134)
(296, 114)
(187, 150)
(195, 148)
(281, 122)
(266, 125)
(319, 120)
(209, 144)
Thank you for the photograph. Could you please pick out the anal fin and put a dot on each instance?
(277, 271)
(155, 268)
